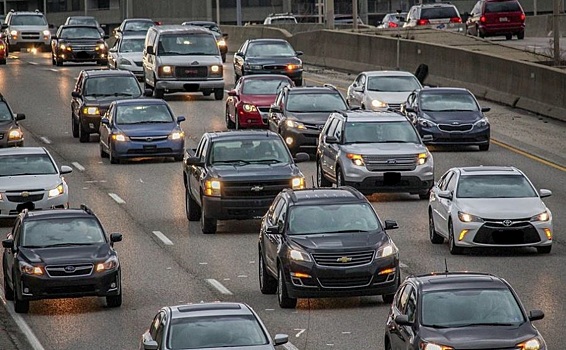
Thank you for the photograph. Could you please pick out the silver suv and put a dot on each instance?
(373, 152)
(26, 29)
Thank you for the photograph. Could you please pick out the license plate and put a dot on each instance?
(191, 71)
(503, 19)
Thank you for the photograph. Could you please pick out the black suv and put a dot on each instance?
(460, 310)
(299, 114)
(10, 132)
(236, 175)
(93, 93)
(60, 253)
(317, 243)
(78, 43)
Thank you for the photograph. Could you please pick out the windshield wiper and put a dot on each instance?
(65, 244)
(347, 231)
(436, 326)
(151, 122)
(269, 161)
(240, 161)
(483, 324)
(394, 141)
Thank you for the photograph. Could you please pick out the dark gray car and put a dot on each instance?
(10, 132)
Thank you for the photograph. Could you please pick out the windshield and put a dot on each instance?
(462, 308)
(439, 12)
(138, 26)
(132, 45)
(28, 20)
(63, 231)
(377, 132)
(188, 44)
(351, 217)
(266, 151)
(495, 186)
(264, 86)
(270, 49)
(26, 164)
(393, 83)
(215, 332)
(502, 6)
(112, 86)
(283, 20)
(132, 114)
(448, 101)
(80, 33)
(87, 21)
(5, 113)
(315, 102)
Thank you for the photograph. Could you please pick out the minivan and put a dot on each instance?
(497, 18)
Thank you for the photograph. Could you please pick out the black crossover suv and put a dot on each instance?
(60, 253)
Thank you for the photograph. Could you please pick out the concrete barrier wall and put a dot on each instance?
(539, 26)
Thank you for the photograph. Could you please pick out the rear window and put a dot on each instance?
(505, 6)
(438, 12)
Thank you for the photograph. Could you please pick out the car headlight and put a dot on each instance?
(212, 187)
(119, 137)
(387, 250)
(28, 269)
(216, 69)
(482, 122)
(14, 33)
(46, 33)
(91, 110)
(65, 47)
(252, 66)
(249, 107)
(544, 216)
(295, 124)
(294, 66)
(425, 123)
(465, 217)
(57, 191)
(422, 158)
(357, 159)
(221, 42)
(110, 264)
(125, 62)
(299, 255)
(378, 104)
(432, 346)
(531, 344)
(15, 134)
(166, 70)
(298, 183)
(101, 46)
(177, 135)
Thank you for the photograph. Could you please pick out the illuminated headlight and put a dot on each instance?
(249, 107)
(57, 191)
(177, 135)
(544, 216)
(119, 137)
(101, 46)
(378, 104)
(295, 124)
(215, 69)
(124, 62)
(15, 134)
(357, 159)
(432, 346)
(422, 158)
(46, 33)
(298, 183)
(14, 33)
(110, 264)
(166, 70)
(465, 217)
(212, 187)
(387, 250)
(531, 344)
(28, 269)
(294, 66)
(91, 110)
(425, 123)
(299, 255)
(221, 42)
(64, 47)
(482, 122)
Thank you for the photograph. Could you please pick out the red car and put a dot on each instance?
(3, 51)
(248, 103)
(497, 18)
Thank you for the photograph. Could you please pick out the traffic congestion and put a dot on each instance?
(249, 201)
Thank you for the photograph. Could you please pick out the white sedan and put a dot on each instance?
(127, 54)
(488, 206)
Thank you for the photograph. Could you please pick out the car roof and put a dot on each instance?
(263, 76)
(388, 73)
(78, 26)
(209, 309)
(22, 151)
(237, 135)
(360, 115)
(318, 196)
(174, 28)
(201, 22)
(107, 72)
(140, 101)
(444, 89)
(309, 89)
(138, 20)
(57, 213)
(82, 17)
(457, 280)
(268, 41)
(436, 5)
(489, 170)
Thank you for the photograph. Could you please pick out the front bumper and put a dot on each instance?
(82, 56)
(161, 148)
(236, 209)
(190, 85)
(476, 136)
(256, 119)
(90, 123)
(5, 142)
(13, 203)
(300, 140)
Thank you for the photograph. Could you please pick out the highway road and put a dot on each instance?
(143, 197)
(540, 45)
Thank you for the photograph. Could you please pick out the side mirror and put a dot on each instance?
(75, 94)
(274, 109)
(4, 26)
(8, 243)
(225, 36)
(444, 194)
(239, 54)
(534, 315)
(113, 49)
(299, 53)
(409, 109)
(359, 88)
(65, 169)
(272, 230)
(331, 139)
(150, 345)
(427, 138)
(402, 320)
(148, 92)
(301, 157)
(115, 237)
(181, 118)
(20, 116)
(54, 37)
(280, 339)
(149, 50)
(485, 109)
(544, 193)
(232, 93)
(105, 121)
(391, 225)
(51, 26)
(196, 161)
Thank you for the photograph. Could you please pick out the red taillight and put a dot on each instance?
(393, 25)
(482, 19)
(422, 22)
(523, 16)
(455, 20)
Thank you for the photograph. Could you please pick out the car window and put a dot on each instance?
(44, 233)
(26, 164)
(495, 186)
(444, 180)
(87, 21)
(411, 307)
(270, 49)
(274, 210)
(17, 232)
(263, 86)
(132, 45)
(80, 33)
(268, 151)
(154, 324)
(451, 185)
(338, 131)
(393, 83)
(448, 101)
(138, 26)
(439, 12)
(361, 80)
(380, 132)
(332, 126)
(112, 86)
(281, 215)
(502, 6)
(404, 298)
(140, 114)
(283, 20)
(201, 148)
(315, 102)
(28, 20)
(187, 44)
(5, 113)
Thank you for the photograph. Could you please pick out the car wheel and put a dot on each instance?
(339, 177)
(521, 35)
(480, 33)
(207, 92)
(207, 225)
(223, 57)
(285, 302)
(540, 250)
(102, 153)
(435, 238)
(388, 345)
(74, 125)
(229, 123)
(484, 147)
(3, 61)
(102, 63)
(8, 291)
(178, 158)
(53, 62)
(454, 250)
(298, 82)
(83, 135)
(508, 36)
(112, 156)
(147, 86)
(425, 195)
(159, 93)
(388, 298)
(58, 62)
(114, 300)
(218, 94)
(267, 284)
(321, 180)
(21, 306)
(192, 208)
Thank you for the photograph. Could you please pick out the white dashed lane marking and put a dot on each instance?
(219, 286)
(45, 140)
(162, 237)
(78, 166)
(116, 198)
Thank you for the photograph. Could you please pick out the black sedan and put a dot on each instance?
(446, 311)
(268, 56)
(78, 43)
(448, 116)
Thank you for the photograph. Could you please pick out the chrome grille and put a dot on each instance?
(347, 282)
(83, 47)
(191, 72)
(71, 270)
(23, 199)
(274, 66)
(148, 138)
(391, 162)
(455, 128)
(31, 35)
(343, 259)
(255, 189)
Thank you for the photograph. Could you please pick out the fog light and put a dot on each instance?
(26, 290)
(113, 285)
(462, 234)
(548, 233)
(289, 140)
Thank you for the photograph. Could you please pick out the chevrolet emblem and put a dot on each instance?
(257, 188)
(25, 194)
(344, 259)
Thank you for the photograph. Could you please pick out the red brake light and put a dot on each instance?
(393, 25)
(422, 22)
(482, 19)
(455, 20)
(523, 16)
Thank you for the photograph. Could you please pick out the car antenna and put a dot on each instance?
(314, 184)
(445, 266)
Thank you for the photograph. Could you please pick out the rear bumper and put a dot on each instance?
(502, 29)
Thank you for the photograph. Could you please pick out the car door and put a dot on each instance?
(149, 60)
(356, 91)
(327, 130)
(8, 258)
(333, 150)
(106, 129)
(77, 102)
(113, 54)
(276, 117)
(198, 173)
(273, 241)
(445, 204)
(400, 335)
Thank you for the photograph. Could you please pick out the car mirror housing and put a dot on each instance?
(75, 94)
(147, 92)
(8, 243)
(402, 320)
(196, 161)
(280, 339)
(391, 225)
(299, 53)
(20, 116)
(181, 118)
(272, 230)
(331, 139)
(105, 121)
(409, 109)
(545, 193)
(150, 345)
(301, 157)
(232, 93)
(115, 237)
(485, 109)
(444, 194)
(275, 109)
(65, 169)
(535, 315)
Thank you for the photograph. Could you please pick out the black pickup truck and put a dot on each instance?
(236, 175)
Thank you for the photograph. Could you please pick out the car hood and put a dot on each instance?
(67, 255)
(318, 118)
(29, 182)
(463, 117)
(502, 208)
(274, 60)
(254, 172)
(6, 124)
(388, 96)
(340, 241)
(157, 129)
(383, 148)
(482, 337)
(132, 56)
(30, 28)
(105, 101)
(82, 41)
(258, 100)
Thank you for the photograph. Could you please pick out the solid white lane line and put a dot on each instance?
(26, 331)
(45, 140)
(116, 198)
(219, 286)
(78, 166)
(53, 70)
(162, 237)
(403, 266)
(34, 63)
(289, 346)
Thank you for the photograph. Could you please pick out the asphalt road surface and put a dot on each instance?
(148, 196)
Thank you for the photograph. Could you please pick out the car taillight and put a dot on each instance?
(523, 16)
(482, 19)
(393, 25)
(422, 22)
(455, 20)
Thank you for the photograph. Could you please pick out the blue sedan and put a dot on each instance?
(141, 128)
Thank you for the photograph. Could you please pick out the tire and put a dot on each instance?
(192, 209)
(21, 306)
(58, 62)
(218, 94)
(114, 300)
(388, 298)
(102, 63)
(159, 93)
(3, 61)
(207, 225)
(388, 345)
(178, 158)
(84, 136)
(298, 82)
(508, 36)
(223, 58)
(540, 250)
(53, 59)
(207, 92)
(285, 302)
(267, 284)
(521, 35)
(480, 34)
(454, 250)
(435, 238)
(74, 126)
(339, 177)
(484, 147)
(321, 180)
(425, 195)
(229, 123)
(8, 291)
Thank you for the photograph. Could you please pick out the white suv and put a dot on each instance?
(26, 29)
(438, 16)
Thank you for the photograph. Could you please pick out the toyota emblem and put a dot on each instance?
(149, 139)
(507, 223)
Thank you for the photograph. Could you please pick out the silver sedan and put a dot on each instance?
(127, 54)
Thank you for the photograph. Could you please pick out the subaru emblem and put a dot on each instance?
(69, 269)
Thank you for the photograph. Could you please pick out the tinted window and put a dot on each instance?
(215, 332)
(132, 114)
(439, 12)
(268, 151)
(283, 20)
(210, 26)
(270, 49)
(315, 102)
(5, 113)
(372, 132)
(80, 33)
(61, 231)
(132, 45)
(87, 21)
(495, 186)
(26, 164)
(28, 20)
(393, 84)
(357, 217)
(457, 308)
(137, 26)
(506, 6)
(263, 86)
(112, 86)
(448, 101)
(187, 44)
